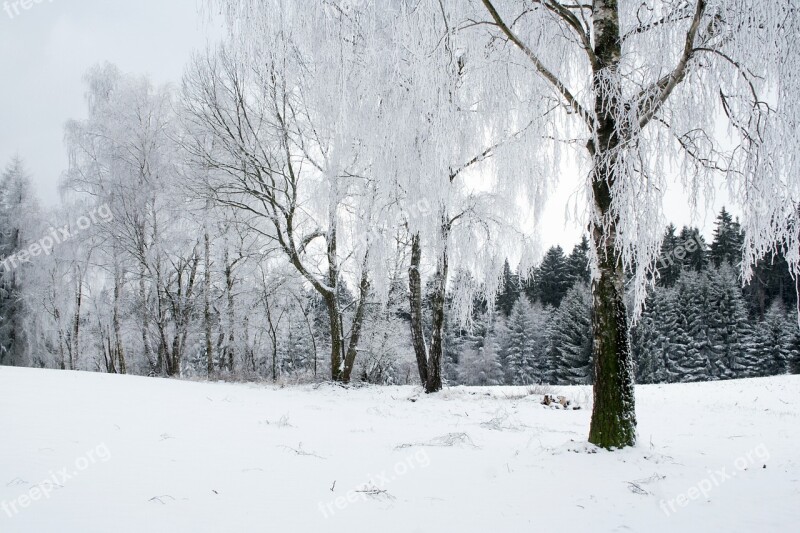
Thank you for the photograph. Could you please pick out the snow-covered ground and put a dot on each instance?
(98, 453)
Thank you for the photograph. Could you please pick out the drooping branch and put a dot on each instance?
(543, 71)
(573, 21)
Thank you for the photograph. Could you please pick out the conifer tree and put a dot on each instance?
(578, 263)
(509, 290)
(571, 339)
(728, 240)
(669, 268)
(772, 343)
(690, 345)
(728, 326)
(650, 338)
(524, 343)
(517, 345)
(794, 346)
(480, 361)
(693, 245)
(551, 280)
(771, 280)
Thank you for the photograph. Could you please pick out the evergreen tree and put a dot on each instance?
(516, 345)
(571, 339)
(453, 347)
(728, 240)
(461, 339)
(690, 344)
(541, 322)
(670, 340)
(691, 250)
(651, 337)
(685, 251)
(480, 362)
(509, 290)
(551, 280)
(669, 268)
(794, 344)
(524, 343)
(772, 343)
(728, 326)
(771, 281)
(578, 263)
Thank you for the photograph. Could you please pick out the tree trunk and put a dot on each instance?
(434, 382)
(337, 340)
(358, 324)
(120, 351)
(230, 351)
(415, 301)
(248, 354)
(613, 415)
(273, 337)
(207, 305)
(57, 316)
(76, 322)
(429, 361)
(145, 317)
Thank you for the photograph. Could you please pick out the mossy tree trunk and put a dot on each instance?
(613, 415)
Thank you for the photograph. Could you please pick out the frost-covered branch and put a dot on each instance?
(556, 83)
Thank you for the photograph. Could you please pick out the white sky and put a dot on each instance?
(48, 48)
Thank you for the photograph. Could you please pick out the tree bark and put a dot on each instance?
(118, 348)
(337, 340)
(76, 321)
(429, 361)
(415, 304)
(358, 324)
(207, 304)
(613, 416)
(230, 350)
(145, 316)
(434, 381)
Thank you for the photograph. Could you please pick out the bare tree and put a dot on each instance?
(258, 137)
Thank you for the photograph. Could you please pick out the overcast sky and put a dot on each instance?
(47, 49)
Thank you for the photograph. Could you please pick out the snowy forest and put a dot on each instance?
(222, 314)
(354, 192)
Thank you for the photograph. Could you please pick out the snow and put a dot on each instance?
(153, 455)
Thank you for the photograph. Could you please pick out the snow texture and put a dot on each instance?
(169, 456)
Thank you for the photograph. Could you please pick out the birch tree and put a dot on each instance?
(645, 89)
(261, 119)
(439, 175)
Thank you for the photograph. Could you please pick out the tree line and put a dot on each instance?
(699, 324)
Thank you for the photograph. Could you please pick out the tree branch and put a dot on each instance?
(540, 67)
(666, 85)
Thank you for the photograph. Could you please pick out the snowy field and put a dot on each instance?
(101, 453)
